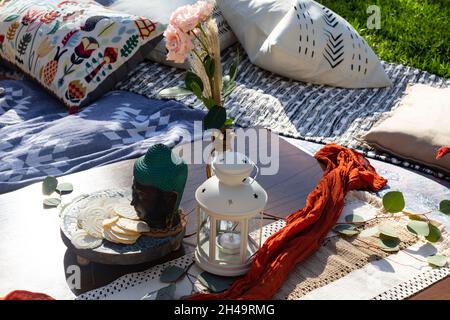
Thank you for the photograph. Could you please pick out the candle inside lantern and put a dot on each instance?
(230, 243)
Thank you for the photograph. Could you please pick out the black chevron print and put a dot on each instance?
(330, 18)
(330, 35)
(334, 51)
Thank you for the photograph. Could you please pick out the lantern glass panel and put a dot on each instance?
(229, 242)
(204, 231)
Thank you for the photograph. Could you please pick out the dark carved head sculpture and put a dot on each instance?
(159, 180)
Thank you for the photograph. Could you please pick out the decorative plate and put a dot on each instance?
(145, 249)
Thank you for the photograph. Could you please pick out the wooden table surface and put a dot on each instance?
(33, 256)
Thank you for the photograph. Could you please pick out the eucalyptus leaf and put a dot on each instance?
(418, 227)
(49, 185)
(215, 119)
(346, 229)
(166, 293)
(370, 232)
(388, 230)
(444, 206)
(354, 218)
(51, 202)
(435, 233)
(171, 274)
(64, 188)
(174, 92)
(215, 283)
(389, 244)
(437, 260)
(393, 201)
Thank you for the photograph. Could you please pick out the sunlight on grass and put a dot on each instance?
(413, 32)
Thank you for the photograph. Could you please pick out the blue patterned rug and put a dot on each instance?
(39, 138)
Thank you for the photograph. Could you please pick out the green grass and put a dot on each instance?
(413, 32)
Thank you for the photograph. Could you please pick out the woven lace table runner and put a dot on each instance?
(340, 269)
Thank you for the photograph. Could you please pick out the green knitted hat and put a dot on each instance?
(162, 169)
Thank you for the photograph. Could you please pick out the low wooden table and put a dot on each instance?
(33, 256)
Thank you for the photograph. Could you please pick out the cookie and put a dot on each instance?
(118, 238)
(133, 225)
(82, 240)
(109, 204)
(118, 230)
(126, 211)
(110, 221)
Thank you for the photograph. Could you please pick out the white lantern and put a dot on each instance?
(226, 203)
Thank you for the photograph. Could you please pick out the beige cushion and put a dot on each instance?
(417, 128)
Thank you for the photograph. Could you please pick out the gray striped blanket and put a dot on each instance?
(315, 113)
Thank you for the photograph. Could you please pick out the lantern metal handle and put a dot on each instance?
(256, 174)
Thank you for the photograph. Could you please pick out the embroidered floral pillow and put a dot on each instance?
(76, 49)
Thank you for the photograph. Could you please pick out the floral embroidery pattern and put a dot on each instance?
(70, 47)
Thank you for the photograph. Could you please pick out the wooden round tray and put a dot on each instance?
(145, 249)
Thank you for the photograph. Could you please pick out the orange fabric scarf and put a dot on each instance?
(306, 228)
(26, 295)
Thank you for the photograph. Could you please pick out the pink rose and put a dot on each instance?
(185, 18)
(178, 44)
(204, 9)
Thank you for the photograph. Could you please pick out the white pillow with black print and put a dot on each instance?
(303, 40)
(163, 10)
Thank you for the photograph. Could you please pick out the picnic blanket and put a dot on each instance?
(315, 113)
(39, 138)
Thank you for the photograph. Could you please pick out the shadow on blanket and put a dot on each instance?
(39, 138)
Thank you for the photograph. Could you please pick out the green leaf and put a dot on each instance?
(388, 230)
(394, 201)
(171, 274)
(229, 122)
(64, 188)
(346, 229)
(208, 102)
(370, 232)
(444, 206)
(49, 185)
(435, 233)
(354, 218)
(193, 78)
(55, 27)
(208, 64)
(11, 18)
(197, 90)
(389, 244)
(418, 227)
(51, 202)
(228, 89)
(215, 119)
(234, 67)
(437, 260)
(166, 293)
(174, 92)
(215, 283)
